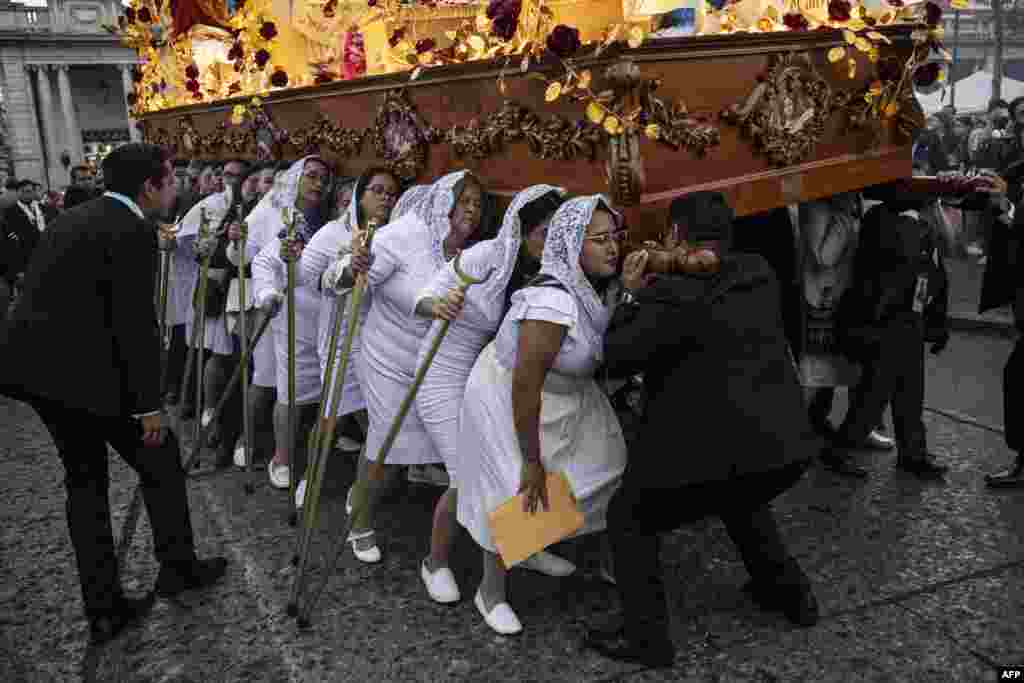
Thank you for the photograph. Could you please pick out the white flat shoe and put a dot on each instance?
(440, 584)
(240, 456)
(207, 418)
(371, 556)
(348, 502)
(548, 564)
(502, 619)
(347, 445)
(300, 494)
(279, 475)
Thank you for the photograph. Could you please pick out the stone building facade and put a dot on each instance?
(64, 80)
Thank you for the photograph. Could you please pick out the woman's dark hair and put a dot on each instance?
(127, 168)
(363, 182)
(536, 211)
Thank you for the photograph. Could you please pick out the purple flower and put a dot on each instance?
(564, 41)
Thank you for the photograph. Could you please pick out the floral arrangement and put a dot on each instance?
(169, 74)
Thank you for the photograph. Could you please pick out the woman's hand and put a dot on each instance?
(450, 307)
(534, 486)
(291, 250)
(633, 271)
(361, 260)
(235, 232)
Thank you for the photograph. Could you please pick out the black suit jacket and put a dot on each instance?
(74, 195)
(85, 331)
(21, 237)
(723, 398)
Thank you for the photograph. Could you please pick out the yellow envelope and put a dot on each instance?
(519, 534)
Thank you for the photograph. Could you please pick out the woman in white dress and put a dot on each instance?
(506, 261)
(405, 257)
(324, 263)
(532, 405)
(300, 192)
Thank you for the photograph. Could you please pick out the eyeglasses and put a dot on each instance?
(607, 237)
(382, 191)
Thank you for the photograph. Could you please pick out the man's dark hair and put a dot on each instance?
(535, 212)
(706, 216)
(22, 184)
(12, 184)
(127, 168)
(181, 163)
(997, 104)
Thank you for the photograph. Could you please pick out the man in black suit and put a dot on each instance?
(88, 312)
(22, 225)
(82, 187)
(724, 429)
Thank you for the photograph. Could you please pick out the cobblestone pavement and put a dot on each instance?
(918, 582)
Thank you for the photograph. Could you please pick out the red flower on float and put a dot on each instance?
(268, 31)
(236, 51)
(396, 37)
(932, 14)
(425, 45)
(795, 21)
(192, 85)
(927, 74)
(261, 58)
(192, 72)
(144, 15)
(504, 16)
(839, 10)
(564, 41)
(129, 15)
(279, 78)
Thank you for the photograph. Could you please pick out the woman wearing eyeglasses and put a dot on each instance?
(505, 263)
(532, 405)
(325, 260)
(403, 259)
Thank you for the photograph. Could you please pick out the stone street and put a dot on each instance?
(918, 582)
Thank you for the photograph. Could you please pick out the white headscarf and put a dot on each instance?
(409, 198)
(562, 259)
(285, 192)
(434, 207)
(510, 237)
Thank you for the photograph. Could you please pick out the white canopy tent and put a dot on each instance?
(972, 94)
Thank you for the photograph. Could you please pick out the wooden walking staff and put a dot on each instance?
(290, 297)
(166, 253)
(195, 352)
(376, 468)
(244, 367)
(324, 435)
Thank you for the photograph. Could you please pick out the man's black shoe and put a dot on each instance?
(614, 645)
(923, 466)
(105, 627)
(197, 574)
(1012, 478)
(797, 603)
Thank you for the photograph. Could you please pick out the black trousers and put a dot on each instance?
(637, 516)
(1013, 397)
(175, 360)
(81, 440)
(893, 373)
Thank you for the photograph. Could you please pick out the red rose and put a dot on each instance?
(155, 88)
(927, 74)
(329, 8)
(839, 10)
(425, 45)
(238, 66)
(136, 74)
(268, 31)
(564, 41)
(197, 95)
(895, 3)
(129, 15)
(504, 16)
(279, 79)
(144, 16)
(396, 37)
(795, 21)
(192, 72)
(932, 14)
(261, 58)
(890, 71)
(371, 3)
(236, 52)
(192, 85)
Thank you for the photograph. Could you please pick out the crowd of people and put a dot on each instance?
(568, 351)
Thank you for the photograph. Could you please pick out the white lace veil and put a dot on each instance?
(409, 198)
(510, 237)
(434, 208)
(562, 257)
(285, 191)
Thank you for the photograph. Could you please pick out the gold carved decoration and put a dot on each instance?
(786, 113)
(188, 137)
(401, 137)
(551, 138)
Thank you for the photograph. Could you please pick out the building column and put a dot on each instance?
(129, 87)
(26, 151)
(70, 119)
(49, 143)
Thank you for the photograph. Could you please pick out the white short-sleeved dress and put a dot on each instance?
(402, 265)
(215, 337)
(331, 242)
(580, 434)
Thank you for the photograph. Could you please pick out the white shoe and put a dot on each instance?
(370, 556)
(546, 563)
(502, 619)
(207, 418)
(279, 475)
(440, 584)
(240, 456)
(348, 502)
(347, 445)
(300, 494)
(432, 475)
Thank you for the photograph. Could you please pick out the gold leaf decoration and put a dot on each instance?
(849, 37)
(652, 131)
(553, 92)
(612, 125)
(835, 54)
(585, 78)
(851, 65)
(595, 113)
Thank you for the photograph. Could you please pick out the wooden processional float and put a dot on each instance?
(768, 119)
